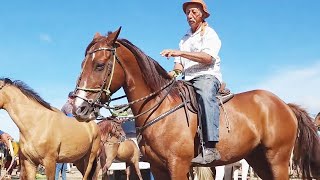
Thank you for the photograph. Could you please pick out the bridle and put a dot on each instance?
(105, 88)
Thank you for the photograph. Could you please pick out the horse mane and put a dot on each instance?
(154, 75)
(26, 90)
(105, 126)
(110, 126)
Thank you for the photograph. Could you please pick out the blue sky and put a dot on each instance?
(271, 45)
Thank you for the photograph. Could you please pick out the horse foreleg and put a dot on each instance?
(50, 169)
(91, 159)
(103, 162)
(107, 165)
(179, 169)
(89, 166)
(159, 173)
(137, 169)
(97, 170)
(128, 171)
(28, 170)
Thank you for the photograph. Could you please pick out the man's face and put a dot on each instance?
(194, 15)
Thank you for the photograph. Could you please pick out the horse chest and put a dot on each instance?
(31, 153)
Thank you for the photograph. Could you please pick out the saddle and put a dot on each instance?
(188, 95)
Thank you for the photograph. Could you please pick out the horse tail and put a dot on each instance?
(307, 145)
(203, 173)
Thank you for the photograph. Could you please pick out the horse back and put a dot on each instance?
(254, 118)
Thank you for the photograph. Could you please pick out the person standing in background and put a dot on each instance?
(5, 137)
(64, 167)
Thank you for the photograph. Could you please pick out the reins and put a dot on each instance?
(124, 107)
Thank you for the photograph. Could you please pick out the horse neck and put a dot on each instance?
(21, 109)
(112, 145)
(135, 87)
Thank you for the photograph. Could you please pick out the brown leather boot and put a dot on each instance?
(209, 155)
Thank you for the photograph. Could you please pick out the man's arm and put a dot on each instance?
(200, 57)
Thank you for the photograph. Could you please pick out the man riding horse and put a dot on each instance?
(199, 61)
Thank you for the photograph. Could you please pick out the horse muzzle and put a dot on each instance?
(84, 112)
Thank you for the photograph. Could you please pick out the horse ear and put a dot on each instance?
(96, 35)
(113, 36)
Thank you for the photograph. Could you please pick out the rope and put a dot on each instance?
(225, 115)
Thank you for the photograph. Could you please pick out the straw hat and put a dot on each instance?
(203, 5)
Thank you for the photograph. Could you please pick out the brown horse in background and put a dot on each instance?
(47, 135)
(112, 147)
(258, 125)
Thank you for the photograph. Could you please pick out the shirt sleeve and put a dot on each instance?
(1, 132)
(211, 44)
(179, 59)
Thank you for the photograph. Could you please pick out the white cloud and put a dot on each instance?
(45, 37)
(296, 85)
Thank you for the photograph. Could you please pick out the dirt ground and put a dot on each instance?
(73, 175)
(76, 175)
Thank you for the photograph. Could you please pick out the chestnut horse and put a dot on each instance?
(257, 126)
(47, 136)
(112, 147)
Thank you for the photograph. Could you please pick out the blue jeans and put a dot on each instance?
(61, 167)
(207, 87)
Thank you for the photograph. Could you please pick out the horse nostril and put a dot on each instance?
(82, 110)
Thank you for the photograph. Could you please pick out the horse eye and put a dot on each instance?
(100, 66)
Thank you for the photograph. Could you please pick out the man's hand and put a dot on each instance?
(171, 74)
(5, 137)
(170, 53)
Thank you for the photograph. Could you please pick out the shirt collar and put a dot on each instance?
(189, 33)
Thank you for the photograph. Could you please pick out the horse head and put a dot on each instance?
(3, 83)
(111, 127)
(101, 76)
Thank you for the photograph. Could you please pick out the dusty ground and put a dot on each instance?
(76, 175)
